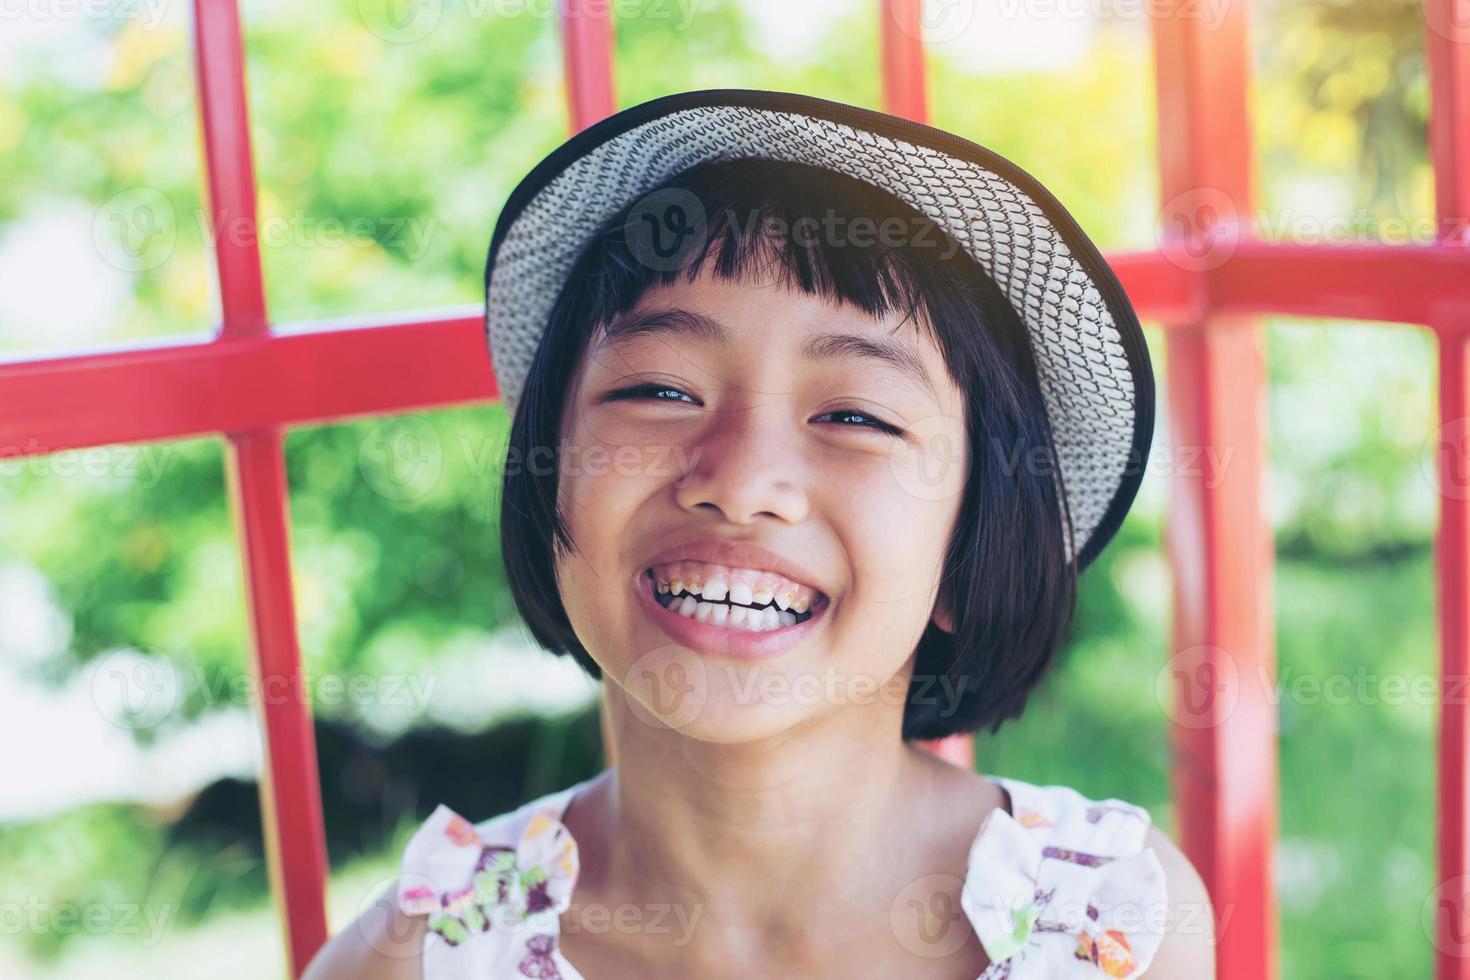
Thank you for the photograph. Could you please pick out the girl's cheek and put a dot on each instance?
(631, 458)
(604, 477)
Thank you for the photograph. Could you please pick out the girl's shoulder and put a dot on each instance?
(493, 891)
(1058, 881)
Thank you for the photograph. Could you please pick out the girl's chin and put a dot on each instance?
(673, 688)
(734, 724)
(710, 699)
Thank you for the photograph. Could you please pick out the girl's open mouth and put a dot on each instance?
(732, 607)
(734, 613)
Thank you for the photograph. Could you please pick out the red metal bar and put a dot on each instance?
(1418, 284)
(1222, 721)
(1158, 288)
(290, 796)
(179, 390)
(587, 61)
(219, 73)
(904, 77)
(1447, 42)
(1452, 555)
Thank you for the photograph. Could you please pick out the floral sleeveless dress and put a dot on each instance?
(1061, 887)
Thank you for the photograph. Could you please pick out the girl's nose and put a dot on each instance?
(746, 464)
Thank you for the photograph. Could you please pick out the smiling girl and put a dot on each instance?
(817, 416)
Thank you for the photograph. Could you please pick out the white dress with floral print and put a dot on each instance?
(1058, 887)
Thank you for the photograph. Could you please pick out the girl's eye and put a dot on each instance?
(867, 421)
(648, 390)
(663, 392)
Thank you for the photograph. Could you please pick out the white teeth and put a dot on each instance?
(733, 617)
(687, 602)
(709, 582)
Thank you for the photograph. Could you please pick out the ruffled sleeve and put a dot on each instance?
(493, 908)
(1042, 906)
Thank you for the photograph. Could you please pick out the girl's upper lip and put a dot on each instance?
(737, 554)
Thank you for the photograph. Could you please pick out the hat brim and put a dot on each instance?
(1091, 356)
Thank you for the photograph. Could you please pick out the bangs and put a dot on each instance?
(815, 231)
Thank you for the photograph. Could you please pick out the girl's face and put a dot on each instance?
(718, 414)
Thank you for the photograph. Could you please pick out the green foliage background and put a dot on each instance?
(438, 131)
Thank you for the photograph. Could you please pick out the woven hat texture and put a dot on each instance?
(1091, 358)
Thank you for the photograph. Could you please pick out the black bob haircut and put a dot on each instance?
(1008, 582)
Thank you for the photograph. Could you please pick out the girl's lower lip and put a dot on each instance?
(717, 641)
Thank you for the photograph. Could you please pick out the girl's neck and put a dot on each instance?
(764, 838)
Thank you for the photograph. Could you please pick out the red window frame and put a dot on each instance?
(1218, 539)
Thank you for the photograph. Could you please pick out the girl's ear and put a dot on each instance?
(943, 617)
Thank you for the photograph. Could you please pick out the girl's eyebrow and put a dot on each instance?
(680, 322)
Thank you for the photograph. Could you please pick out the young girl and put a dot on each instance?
(817, 415)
